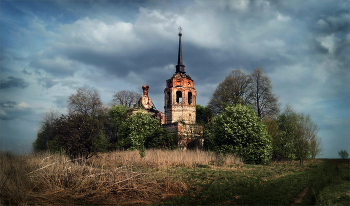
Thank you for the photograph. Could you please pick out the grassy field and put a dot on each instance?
(168, 178)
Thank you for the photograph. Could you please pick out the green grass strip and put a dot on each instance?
(249, 187)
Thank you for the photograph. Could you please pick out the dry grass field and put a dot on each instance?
(120, 177)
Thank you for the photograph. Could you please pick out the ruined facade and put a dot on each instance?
(179, 105)
(145, 105)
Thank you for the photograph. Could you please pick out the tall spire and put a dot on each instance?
(180, 67)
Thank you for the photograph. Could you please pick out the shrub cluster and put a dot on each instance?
(238, 130)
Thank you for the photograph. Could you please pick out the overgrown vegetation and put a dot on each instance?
(170, 177)
(141, 131)
(238, 130)
(294, 135)
(120, 178)
(90, 127)
(242, 123)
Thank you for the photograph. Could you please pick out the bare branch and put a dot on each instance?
(126, 98)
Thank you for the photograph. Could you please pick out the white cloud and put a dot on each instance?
(24, 105)
(94, 34)
(282, 18)
(234, 5)
(329, 42)
(322, 24)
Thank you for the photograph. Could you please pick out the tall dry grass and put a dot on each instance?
(111, 178)
(166, 158)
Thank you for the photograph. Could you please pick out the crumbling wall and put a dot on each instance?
(186, 133)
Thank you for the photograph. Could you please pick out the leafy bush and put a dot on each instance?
(45, 135)
(203, 114)
(141, 130)
(239, 131)
(118, 113)
(161, 139)
(80, 135)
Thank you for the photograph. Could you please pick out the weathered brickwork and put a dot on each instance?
(180, 99)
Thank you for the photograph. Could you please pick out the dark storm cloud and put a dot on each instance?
(13, 82)
(10, 110)
(18, 58)
(5, 69)
(10, 9)
(7, 104)
(24, 71)
(54, 66)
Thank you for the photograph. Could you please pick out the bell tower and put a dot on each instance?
(180, 94)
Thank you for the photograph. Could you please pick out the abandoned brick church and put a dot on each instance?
(179, 116)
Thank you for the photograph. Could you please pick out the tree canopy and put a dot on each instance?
(260, 94)
(239, 131)
(233, 90)
(85, 102)
(142, 130)
(238, 88)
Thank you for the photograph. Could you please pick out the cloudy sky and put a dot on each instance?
(51, 48)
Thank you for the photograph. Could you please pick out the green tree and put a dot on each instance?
(116, 116)
(297, 135)
(118, 113)
(45, 135)
(204, 117)
(316, 146)
(306, 131)
(139, 131)
(271, 124)
(203, 114)
(233, 90)
(80, 135)
(283, 146)
(343, 154)
(239, 131)
(260, 94)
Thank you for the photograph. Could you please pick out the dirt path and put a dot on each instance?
(302, 194)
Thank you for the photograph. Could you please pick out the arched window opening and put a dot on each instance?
(190, 98)
(178, 96)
